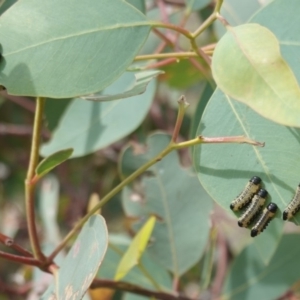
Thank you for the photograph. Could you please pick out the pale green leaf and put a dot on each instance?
(75, 49)
(173, 195)
(52, 161)
(89, 126)
(247, 66)
(250, 279)
(225, 169)
(137, 87)
(136, 249)
(79, 268)
(278, 16)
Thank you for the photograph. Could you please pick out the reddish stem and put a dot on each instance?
(20, 259)
(7, 241)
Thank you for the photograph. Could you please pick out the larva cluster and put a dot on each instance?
(253, 199)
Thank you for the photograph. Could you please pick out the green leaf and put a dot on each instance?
(197, 4)
(89, 126)
(250, 279)
(247, 66)
(52, 161)
(136, 249)
(176, 198)
(225, 169)
(113, 256)
(80, 53)
(139, 4)
(137, 87)
(82, 262)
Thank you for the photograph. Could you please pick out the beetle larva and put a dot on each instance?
(293, 207)
(255, 207)
(264, 219)
(246, 195)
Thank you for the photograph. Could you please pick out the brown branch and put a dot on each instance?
(20, 259)
(9, 242)
(132, 288)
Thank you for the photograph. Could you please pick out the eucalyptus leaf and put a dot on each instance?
(89, 126)
(247, 66)
(277, 17)
(137, 87)
(250, 279)
(82, 262)
(136, 249)
(224, 169)
(89, 45)
(173, 195)
(52, 161)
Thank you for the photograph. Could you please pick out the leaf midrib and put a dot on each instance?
(79, 34)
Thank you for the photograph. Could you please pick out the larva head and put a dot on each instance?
(285, 215)
(255, 180)
(272, 207)
(262, 193)
(240, 223)
(254, 232)
(231, 206)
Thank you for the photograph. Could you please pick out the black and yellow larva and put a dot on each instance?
(264, 219)
(246, 195)
(293, 207)
(254, 208)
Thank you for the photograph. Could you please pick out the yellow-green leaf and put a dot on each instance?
(247, 66)
(132, 256)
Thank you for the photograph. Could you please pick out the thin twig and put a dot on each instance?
(132, 288)
(7, 241)
(20, 259)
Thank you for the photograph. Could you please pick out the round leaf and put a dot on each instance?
(58, 49)
(181, 205)
(247, 66)
(224, 169)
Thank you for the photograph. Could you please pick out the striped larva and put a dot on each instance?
(246, 195)
(264, 219)
(293, 207)
(255, 207)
